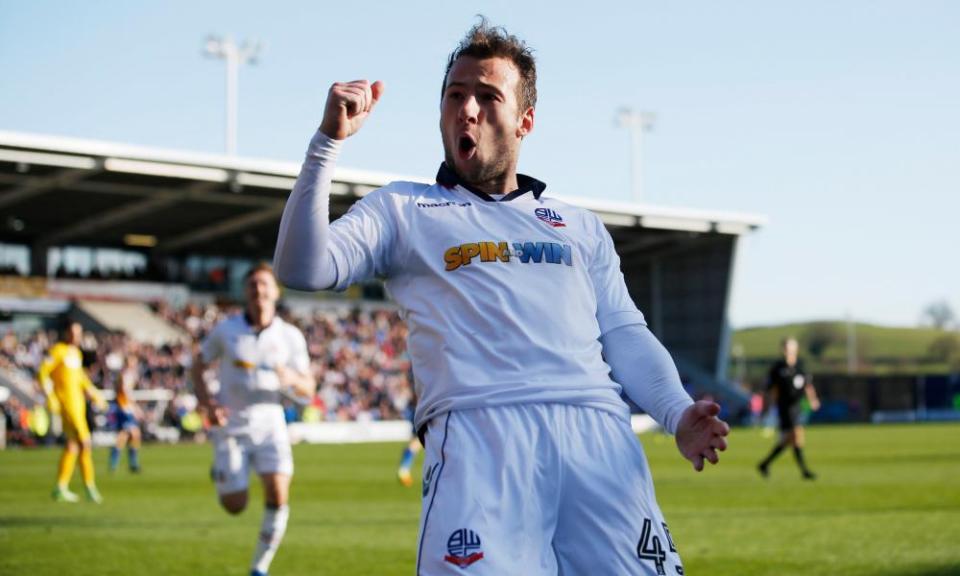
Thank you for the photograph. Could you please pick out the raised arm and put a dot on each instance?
(302, 259)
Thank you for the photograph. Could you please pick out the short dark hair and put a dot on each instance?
(66, 326)
(485, 41)
(260, 267)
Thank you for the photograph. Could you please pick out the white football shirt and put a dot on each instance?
(249, 385)
(505, 300)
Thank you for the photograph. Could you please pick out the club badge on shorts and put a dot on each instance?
(463, 548)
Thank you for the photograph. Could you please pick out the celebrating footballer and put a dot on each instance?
(522, 335)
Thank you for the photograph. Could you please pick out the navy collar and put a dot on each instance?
(249, 322)
(448, 178)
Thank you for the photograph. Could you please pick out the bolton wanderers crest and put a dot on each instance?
(463, 548)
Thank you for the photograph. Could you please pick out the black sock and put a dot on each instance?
(773, 454)
(798, 454)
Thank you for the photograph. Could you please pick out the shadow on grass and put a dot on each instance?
(820, 513)
(98, 521)
(402, 522)
(952, 570)
(946, 456)
(53, 521)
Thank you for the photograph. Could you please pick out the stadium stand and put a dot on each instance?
(100, 231)
(131, 318)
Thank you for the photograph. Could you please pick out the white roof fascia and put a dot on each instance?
(87, 154)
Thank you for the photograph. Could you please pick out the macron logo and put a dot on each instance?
(442, 204)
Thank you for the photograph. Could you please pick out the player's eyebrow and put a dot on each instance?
(478, 83)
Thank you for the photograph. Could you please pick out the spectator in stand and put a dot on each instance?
(18, 423)
(359, 357)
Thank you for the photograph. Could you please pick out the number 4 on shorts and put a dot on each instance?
(649, 547)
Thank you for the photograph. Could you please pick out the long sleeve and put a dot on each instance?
(44, 371)
(303, 260)
(91, 389)
(644, 368)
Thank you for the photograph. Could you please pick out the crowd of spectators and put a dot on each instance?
(358, 356)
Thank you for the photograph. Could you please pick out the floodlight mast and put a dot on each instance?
(246, 53)
(637, 123)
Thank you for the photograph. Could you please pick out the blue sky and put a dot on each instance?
(838, 121)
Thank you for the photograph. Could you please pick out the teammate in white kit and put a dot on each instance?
(260, 357)
(522, 336)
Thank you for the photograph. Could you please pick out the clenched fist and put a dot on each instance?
(348, 105)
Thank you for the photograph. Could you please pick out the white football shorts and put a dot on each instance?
(266, 451)
(539, 489)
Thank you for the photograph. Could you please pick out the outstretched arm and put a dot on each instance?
(302, 259)
(640, 363)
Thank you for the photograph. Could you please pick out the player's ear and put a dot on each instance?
(525, 123)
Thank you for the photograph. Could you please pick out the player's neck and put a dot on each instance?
(494, 184)
(259, 318)
(499, 185)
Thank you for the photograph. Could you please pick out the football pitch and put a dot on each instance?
(887, 502)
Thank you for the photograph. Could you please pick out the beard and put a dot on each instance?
(489, 175)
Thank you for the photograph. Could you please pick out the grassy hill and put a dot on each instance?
(878, 349)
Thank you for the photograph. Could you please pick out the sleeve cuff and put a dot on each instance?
(323, 147)
(672, 419)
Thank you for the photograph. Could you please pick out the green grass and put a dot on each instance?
(887, 503)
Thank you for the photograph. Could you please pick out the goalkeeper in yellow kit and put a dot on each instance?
(65, 384)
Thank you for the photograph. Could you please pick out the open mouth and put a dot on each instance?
(466, 146)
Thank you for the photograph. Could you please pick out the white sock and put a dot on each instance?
(271, 533)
